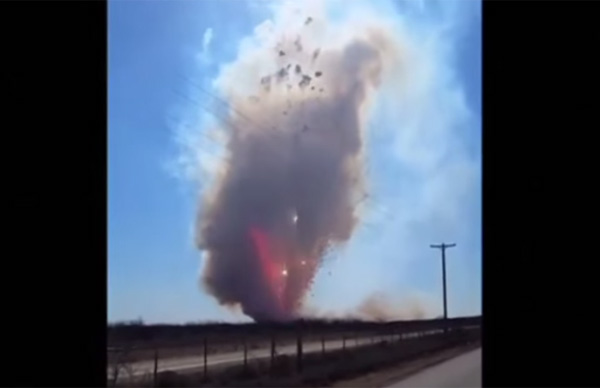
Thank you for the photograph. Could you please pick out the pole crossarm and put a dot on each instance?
(443, 246)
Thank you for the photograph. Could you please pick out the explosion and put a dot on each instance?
(293, 175)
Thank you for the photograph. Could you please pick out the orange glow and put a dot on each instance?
(268, 263)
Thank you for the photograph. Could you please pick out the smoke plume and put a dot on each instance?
(292, 176)
(379, 307)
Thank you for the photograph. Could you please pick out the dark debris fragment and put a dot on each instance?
(265, 80)
(305, 81)
(308, 20)
(318, 73)
(298, 44)
(282, 73)
(316, 54)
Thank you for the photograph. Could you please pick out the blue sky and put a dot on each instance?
(424, 159)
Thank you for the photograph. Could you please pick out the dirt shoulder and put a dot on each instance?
(389, 375)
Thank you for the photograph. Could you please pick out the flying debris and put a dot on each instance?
(308, 20)
(288, 66)
(305, 81)
(282, 74)
(298, 44)
(318, 73)
(321, 90)
(265, 80)
(316, 54)
(298, 69)
(281, 53)
(312, 88)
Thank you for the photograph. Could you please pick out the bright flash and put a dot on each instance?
(295, 219)
(303, 262)
(284, 272)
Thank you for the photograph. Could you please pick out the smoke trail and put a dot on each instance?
(290, 183)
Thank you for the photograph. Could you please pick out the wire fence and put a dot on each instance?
(210, 356)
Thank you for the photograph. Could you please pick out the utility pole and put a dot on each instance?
(443, 248)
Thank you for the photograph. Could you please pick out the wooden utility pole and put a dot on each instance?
(443, 248)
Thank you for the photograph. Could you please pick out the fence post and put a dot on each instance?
(272, 352)
(245, 354)
(205, 359)
(155, 374)
(299, 351)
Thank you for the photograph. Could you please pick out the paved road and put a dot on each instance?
(189, 363)
(463, 371)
